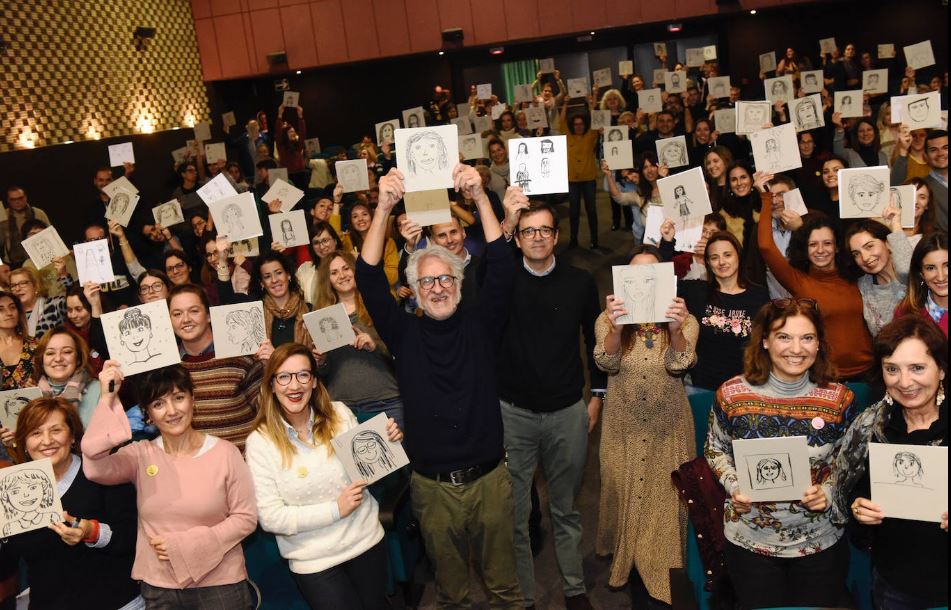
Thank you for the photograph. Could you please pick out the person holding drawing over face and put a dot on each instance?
(460, 482)
(83, 559)
(783, 553)
(188, 552)
(642, 523)
(909, 558)
(327, 527)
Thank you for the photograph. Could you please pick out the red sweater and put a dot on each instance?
(840, 302)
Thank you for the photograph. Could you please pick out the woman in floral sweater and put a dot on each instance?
(783, 553)
(725, 305)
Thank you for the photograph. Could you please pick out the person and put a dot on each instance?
(154, 285)
(865, 148)
(11, 229)
(936, 155)
(188, 552)
(880, 260)
(352, 241)
(461, 490)
(924, 212)
(499, 167)
(813, 271)
(911, 146)
(16, 345)
(284, 303)
(724, 305)
(240, 277)
(582, 172)
(787, 553)
(359, 375)
(177, 267)
(42, 312)
(646, 419)
(226, 388)
(739, 208)
(323, 241)
(330, 533)
(909, 558)
(716, 160)
(61, 368)
(544, 415)
(83, 310)
(927, 290)
(83, 560)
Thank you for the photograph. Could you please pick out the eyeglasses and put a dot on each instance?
(784, 303)
(445, 280)
(322, 242)
(529, 232)
(150, 288)
(22, 284)
(212, 254)
(303, 377)
(174, 268)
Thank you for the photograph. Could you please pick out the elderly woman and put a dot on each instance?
(646, 417)
(330, 533)
(787, 553)
(910, 558)
(927, 291)
(42, 312)
(84, 561)
(188, 553)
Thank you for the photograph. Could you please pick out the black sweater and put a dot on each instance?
(446, 368)
(540, 366)
(64, 577)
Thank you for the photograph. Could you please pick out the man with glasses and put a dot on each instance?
(446, 366)
(541, 390)
(125, 265)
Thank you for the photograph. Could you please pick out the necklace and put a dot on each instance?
(648, 332)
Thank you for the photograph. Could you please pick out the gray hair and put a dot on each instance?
(454, 263)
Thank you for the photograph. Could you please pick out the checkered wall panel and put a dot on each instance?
(71, 72)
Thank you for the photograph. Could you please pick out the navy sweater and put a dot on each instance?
(446, 368)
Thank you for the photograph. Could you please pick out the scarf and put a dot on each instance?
(501, 170)
(72, 390)
(34, 318)
(296, 308)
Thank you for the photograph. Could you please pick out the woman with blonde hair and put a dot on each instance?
(326, 526)
(613, 100)
(361, 374)
(42, 312)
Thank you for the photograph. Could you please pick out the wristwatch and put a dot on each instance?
(599, 394)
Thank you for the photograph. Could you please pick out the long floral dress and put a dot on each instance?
(647, 433)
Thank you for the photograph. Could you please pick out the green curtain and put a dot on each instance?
(517, 73)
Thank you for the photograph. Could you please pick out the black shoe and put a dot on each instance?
(572, 244)
(614, 227)
(594, 245)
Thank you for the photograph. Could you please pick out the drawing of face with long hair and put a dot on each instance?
(672, 154)
(426, 153)
(522, 150)
(13, 405)
(233, 219)
(806, 113)
(769, 471)
(351, 175)
(287, 231)
(918, 110)
(371, 453)
(865, 192)
(412, 120)
(614, 135)
(26, 492)
(120, 203)
(167, 215)
(386, 133)
(779, 91)
(907, 468)
(329, 329)
(771, 145)
(245, 328)
(44, 249)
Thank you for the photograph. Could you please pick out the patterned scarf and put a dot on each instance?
(72, 390)
(295, 309)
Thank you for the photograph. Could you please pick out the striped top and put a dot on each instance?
(226, 395)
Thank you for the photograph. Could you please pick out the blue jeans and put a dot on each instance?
(393, 407)
(887, 597)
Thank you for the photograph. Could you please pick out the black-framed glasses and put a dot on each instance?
(211, 254)
(322, 242)
(150, 288)
(445, 280)
(529, 232)
(784, 303)
(175, 268)
(303, 377)
(20, 284)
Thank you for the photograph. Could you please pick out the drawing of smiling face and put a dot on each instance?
(27, 496)
(918, 110)
(424, 154)
(807, 114)
(136, 338)
(769, 470)
(865, 198)
(907, 467)
(366, 450)
(672, 154)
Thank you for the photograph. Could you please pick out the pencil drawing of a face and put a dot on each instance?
(674, 154)
(351, 175)
(675, 80)
(907, 468)
(548, 146)
(614, 135)
(25, 494)
(806, 114)
(545, 167)
(426, 153)
(755, 115)
(386, 133)
(811, 81)
(918, 110)
(770, 472)
(412, 120)
(287, 231)
(639, 291)
(12, 407)
(779, 90)
(234, 225)
(371, 453)
(873, 81)
(120, 203)
(245, 328)
(135, 334)
(865, 192)
(329, 329)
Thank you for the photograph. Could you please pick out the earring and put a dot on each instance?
(888, 399)
(939, 399)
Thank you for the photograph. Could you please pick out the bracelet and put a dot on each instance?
(94, 536)
(123, 242)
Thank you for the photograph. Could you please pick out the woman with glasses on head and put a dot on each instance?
(359, 375)
(323, 242)
(783, 553)
(927, 291)
(813, 270)
(327, 526)
(647, 428)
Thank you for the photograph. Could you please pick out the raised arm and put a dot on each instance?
(391, 191)
(785, 273)
(109, 428)
(468, 181)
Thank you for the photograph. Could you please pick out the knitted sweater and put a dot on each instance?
(880, 300)
(840, 302)
(226, 395)
(298, 503)
(744, 411)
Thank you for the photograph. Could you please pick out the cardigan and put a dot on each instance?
(840, 303)
(582, 163)
(202, 505)
(298, 502)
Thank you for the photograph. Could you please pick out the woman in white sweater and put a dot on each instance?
(326, 526)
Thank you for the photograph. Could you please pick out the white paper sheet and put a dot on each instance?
(672, 151)
(121, 153)
(330, 328)
(875, 82)
(863, 191)
(236, 217)
(752, 116)
(93, 263)
(684, 196)
(776, 149)
(386, 129)
(539, 165)
(290, 194)
(602, 77)
(216, 152)
(718, 87)
(675, 82)
(414, 117)
(37, 503)
(43, 247)
(767, 62)
(217, 188)
(779, 89)
(647, 291)
(806, 112)
(919, 55)
(619, 155)
(426, 156)
(291, 99)
(578, 87)
(848, 103)
(812, 81)
(909, 481)
(725, 120)
(352, 175)
(238, 329)
(367, 453)
(289, 228)
(471, 147)
(141, 337)
(168, 214)
(772, 469)
(649, 100)
(202, 131)
(122, 206)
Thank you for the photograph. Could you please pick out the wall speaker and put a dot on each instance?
(277, 59)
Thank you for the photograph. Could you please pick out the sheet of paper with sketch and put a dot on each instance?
(776, 149)
(366, 451)
(120, 183)
(909, 481)
(428, 207)
(330, 328)
(772, 469)
(647, 291)
(44, 246)
(93, 262)
(539, 165)
(168, 214)
(202, 131)
(12, 402)
(427, 156)
(141, 337)
(122, 206)
(238, 329)
(289, 228)
(120, 154)
(217, 188)
(863, 191)
(30, 497)
(352, 175)
(237, 217)
(287, 193)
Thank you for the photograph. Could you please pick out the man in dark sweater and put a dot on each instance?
(541, 386)
(446, 366)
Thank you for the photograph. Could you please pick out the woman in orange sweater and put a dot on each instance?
(583, 171)
(812, 272)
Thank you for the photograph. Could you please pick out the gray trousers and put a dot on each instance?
(560, 440)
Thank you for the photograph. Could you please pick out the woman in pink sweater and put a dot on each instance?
(194, 493)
